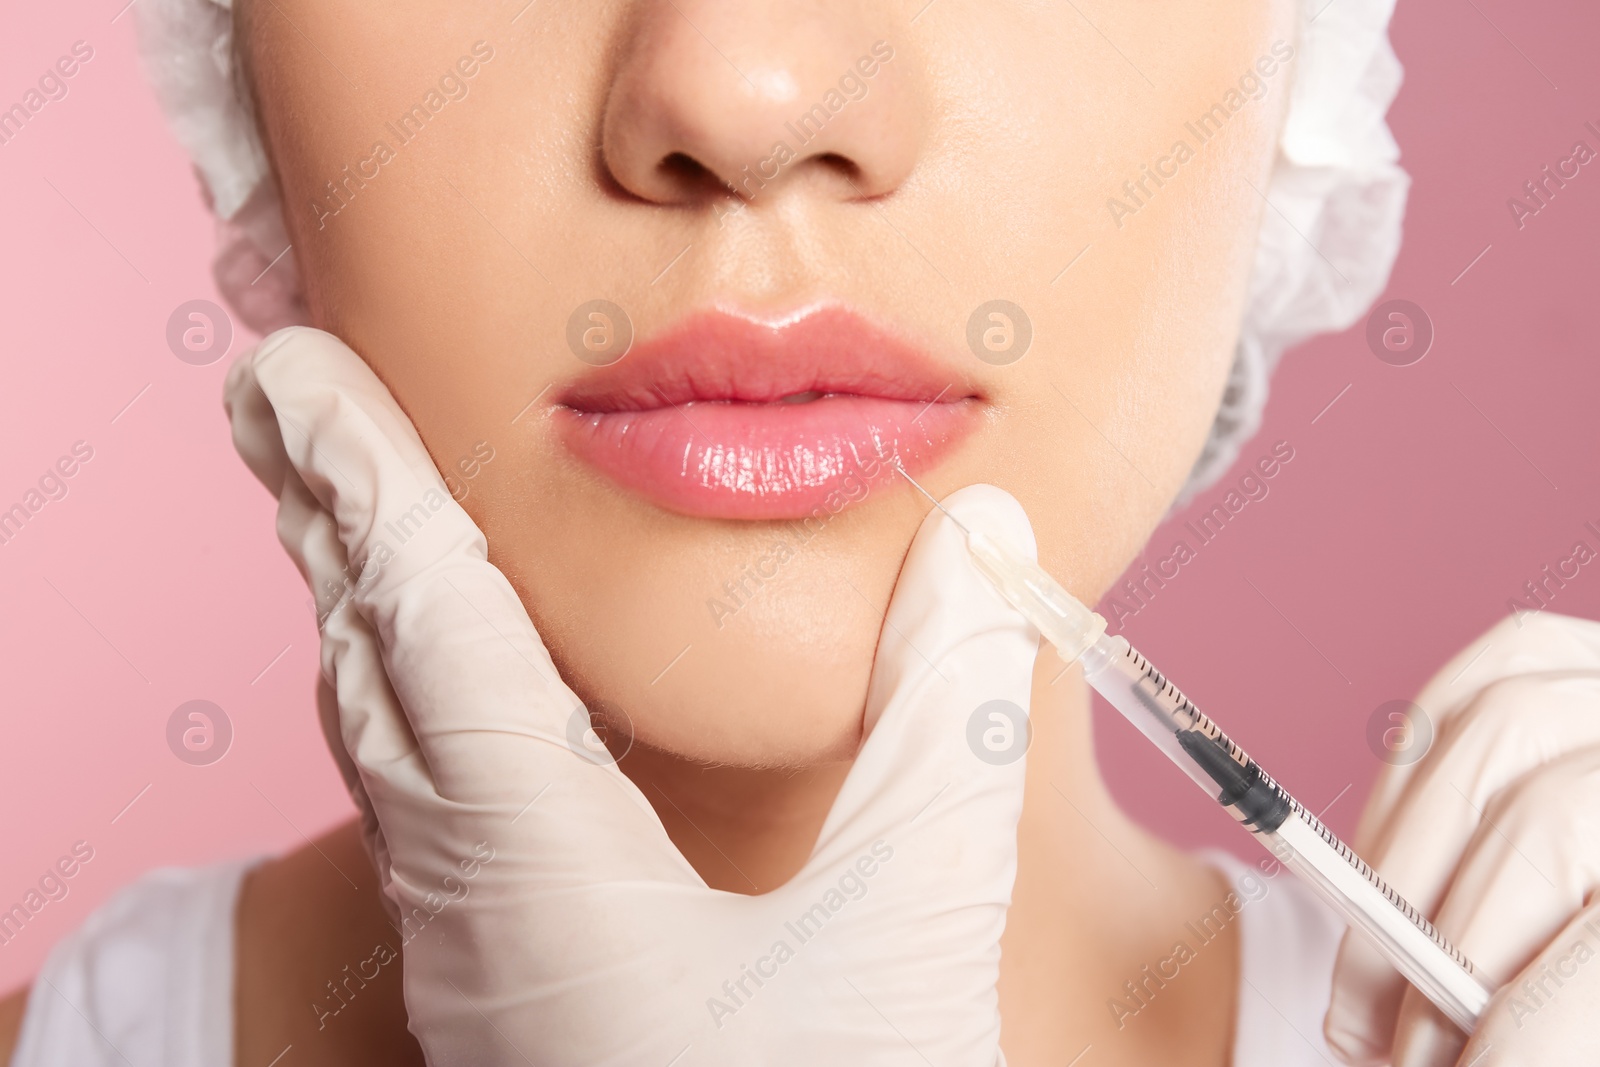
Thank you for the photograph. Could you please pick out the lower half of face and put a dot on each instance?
(669, 288)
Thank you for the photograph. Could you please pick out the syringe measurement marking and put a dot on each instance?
(1196, 719)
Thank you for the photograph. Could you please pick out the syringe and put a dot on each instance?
(1282, 824)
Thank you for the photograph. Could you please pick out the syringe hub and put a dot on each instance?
(1062, 618)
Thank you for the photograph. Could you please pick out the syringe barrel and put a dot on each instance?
(1192, 741)
(1296, 836)
(1406, 939)
(1220, 767)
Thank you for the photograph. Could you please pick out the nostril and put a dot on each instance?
(844, 166)
(680, 165)
(686, 173)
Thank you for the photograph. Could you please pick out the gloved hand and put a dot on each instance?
(549, 918)
(1495, 834)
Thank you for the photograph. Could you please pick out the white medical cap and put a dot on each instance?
(1331, 226)
(187, 47)
(1329, 232)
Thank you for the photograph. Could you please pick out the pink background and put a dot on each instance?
(1396, 536)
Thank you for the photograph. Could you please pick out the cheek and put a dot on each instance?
(1135, 316)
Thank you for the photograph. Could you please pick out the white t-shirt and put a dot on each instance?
(148, 980)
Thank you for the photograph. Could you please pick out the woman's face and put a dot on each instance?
(707, 531)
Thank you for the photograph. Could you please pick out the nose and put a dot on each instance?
(712, 96)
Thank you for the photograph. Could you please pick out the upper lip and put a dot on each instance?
(718, 355)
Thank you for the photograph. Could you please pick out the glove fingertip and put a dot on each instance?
(253, 426)
(274, 342)
(940, 596)
(938, 570)
(992, 510)
(945, 619)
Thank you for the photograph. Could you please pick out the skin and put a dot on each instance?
(589, 152)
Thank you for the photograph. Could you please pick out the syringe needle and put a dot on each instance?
(931, 500)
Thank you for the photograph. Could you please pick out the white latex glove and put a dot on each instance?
(551, 921)
(1495, 834)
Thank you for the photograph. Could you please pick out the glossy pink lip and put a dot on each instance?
(725, 417)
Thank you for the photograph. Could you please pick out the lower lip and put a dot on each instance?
(735, 460)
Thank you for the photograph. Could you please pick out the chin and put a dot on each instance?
(740, 710)
(756, 736)
(784, 683)
(688, 633)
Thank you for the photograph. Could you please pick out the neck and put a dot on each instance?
(744, 830)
